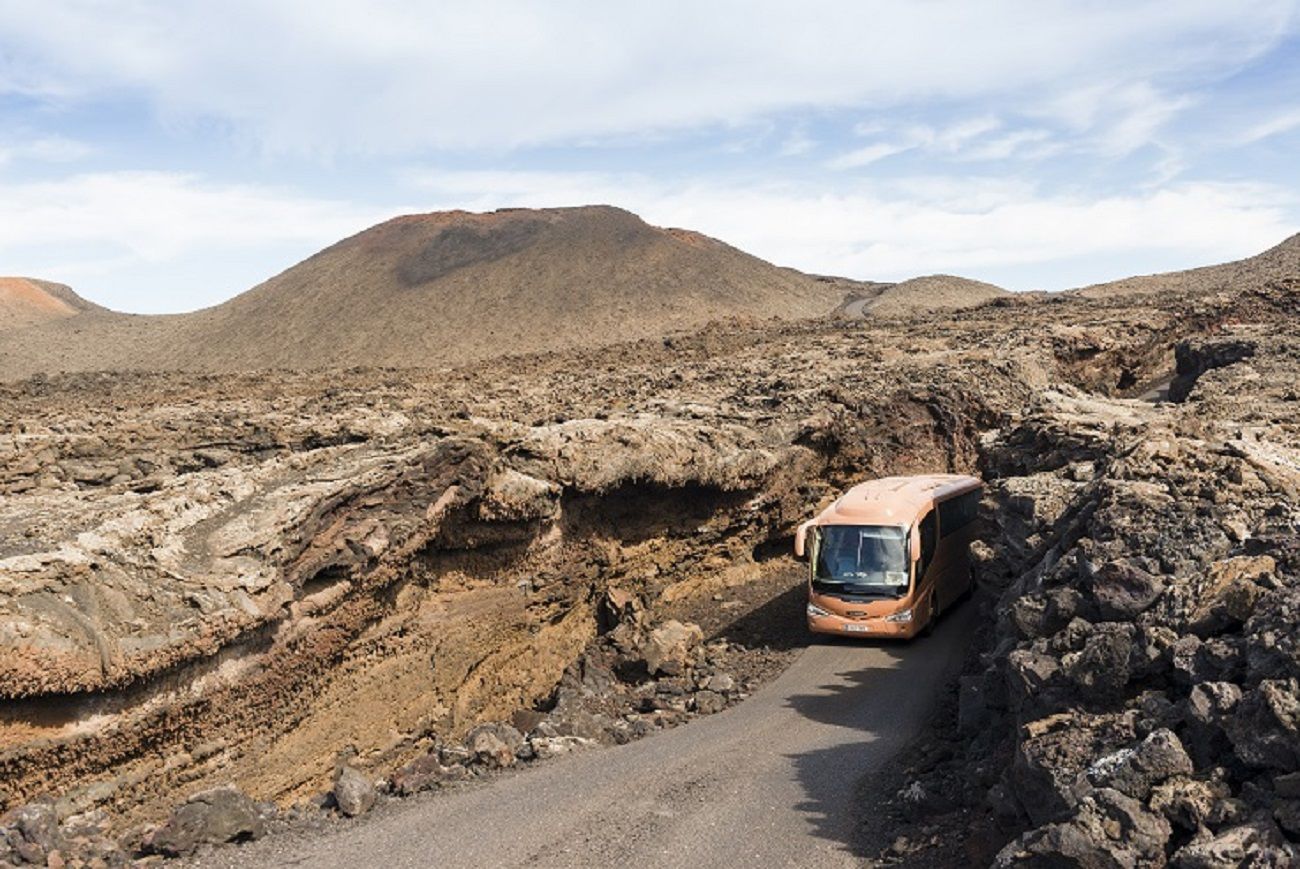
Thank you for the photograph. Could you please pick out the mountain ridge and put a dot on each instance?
(454, 287)
(445, 288)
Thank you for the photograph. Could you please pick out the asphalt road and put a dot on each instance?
(770, 782)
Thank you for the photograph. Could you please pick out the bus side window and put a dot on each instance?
(949, 516)
(927, 541)
(957, 513)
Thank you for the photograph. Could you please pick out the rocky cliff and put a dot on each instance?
(1137, 700)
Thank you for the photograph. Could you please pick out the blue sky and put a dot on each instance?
(166, 156)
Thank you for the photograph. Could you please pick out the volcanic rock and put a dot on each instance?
(1107, 829)
(1265, 726)
(354, 792)
(669, 647)
(708, 702)
(1258, 843)
(30, 834)
(399, 556)
(211, 817)
(1135, 771)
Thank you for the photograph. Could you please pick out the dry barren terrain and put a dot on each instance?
(233, 600)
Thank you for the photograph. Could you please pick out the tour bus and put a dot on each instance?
(890, 555)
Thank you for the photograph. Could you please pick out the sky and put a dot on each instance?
(165, 156)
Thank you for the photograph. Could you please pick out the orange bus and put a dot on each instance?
(890, 555)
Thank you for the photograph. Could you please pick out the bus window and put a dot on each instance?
(957, 513)
(949, 516)
(927, 542)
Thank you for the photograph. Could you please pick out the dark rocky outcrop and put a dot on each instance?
(1147, 629)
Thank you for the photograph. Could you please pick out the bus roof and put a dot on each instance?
(894, 500)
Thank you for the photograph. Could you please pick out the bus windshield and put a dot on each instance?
(861, 559)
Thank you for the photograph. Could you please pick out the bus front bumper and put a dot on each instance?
(878, 627)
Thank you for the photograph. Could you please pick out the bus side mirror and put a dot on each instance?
(801, 539)
(915, 537)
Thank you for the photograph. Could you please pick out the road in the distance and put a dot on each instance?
(769, 782)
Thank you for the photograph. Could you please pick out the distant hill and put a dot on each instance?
(928, 293)
(26, 302)
(1280, 261)
(445, 288)
(454, 287)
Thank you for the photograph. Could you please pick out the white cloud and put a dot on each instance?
(965, 141)
(1283, 122)
(1114, 118)
(798, 142)
(912, 226)
(160, 215)
(400, 75)
(163, 241)
(43, 149)
(955, 138)
(865, 156)
(1033, 143)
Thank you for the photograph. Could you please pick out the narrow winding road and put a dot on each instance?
(770, 782)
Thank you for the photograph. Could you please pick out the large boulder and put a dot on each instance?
(1205, 711)
(1135, 771)
(29, 834)
(1231, 593)
(1258, 843)
(1047, 774)
(709, 702)
(1120, 590)
(1273, 650)
(212, 817)
(495, 745)
(1287, 815)
(1030, 672)
(1102, 668)
(670, 646)
(354, 792)
(425, 773)
(1187, 803)
(1107, 830)
(1265, 725)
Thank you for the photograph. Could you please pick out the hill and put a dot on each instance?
(1280, 261)
(928, 293)
(446, 288)
(26, 302)
(453, 287)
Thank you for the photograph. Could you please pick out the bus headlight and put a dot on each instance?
(816, 612)
(900, 616)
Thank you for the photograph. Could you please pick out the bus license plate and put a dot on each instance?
(856, 629)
